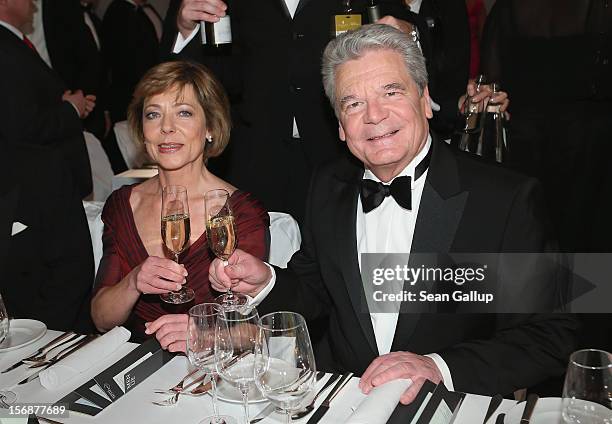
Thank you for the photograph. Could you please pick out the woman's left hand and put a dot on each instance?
(171, 331)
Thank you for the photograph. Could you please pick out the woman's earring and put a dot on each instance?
(209, 138)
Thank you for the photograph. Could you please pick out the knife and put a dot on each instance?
(322, 410)
(500, 419)
(63, 354)
(493, 405)
(532, 399)
(43, 350)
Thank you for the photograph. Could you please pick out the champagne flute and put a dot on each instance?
(235, 338)
(175, 232)
(587, 392)
(7, 397)
(221, 232)
(201, 330)
(285, 368)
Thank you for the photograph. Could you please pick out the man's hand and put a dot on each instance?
(404, 26)
(396, 365)
(192, 12)
(171, 331)
(500, 97)
(244, 274)
(84, 104)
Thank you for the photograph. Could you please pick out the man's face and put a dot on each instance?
(22, 12)
(382, 117)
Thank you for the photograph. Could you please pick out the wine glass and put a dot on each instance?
(175, 232)
(587, 392)
(235, 338)
(221, 232)
(201, 329)
(285, 368)
(6, 396)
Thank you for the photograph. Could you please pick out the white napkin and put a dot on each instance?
(65, 370)
(380, 403)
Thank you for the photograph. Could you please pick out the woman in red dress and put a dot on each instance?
(181, 114)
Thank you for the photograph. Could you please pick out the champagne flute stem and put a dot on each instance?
(245, 402)
(288, 417)
(213, 382)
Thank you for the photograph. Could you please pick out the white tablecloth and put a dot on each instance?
(136, 407)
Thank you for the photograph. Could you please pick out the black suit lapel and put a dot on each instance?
(345, 229)
(440, 212)
(301, 5)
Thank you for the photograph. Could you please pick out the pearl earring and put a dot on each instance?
(209, 138)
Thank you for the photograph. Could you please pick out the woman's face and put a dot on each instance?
(174, 128)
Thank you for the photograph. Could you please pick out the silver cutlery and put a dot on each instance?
(61, 355)
(500, 419)
(532, 399)
(77, 342)
(324, 407)
(172, 400)
(65, 344)
(58, 341)
(308, 408)
(271, 407)
(179, 385)
(47, 420)
(493, 405)
(173, 392)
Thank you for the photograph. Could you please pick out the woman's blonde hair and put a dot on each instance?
(208, 90)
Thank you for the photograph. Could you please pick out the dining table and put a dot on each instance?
(136, 405)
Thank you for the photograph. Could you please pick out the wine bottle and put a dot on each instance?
(374, 12)
(345, 19)
(470, 131)
(218, 34)
(492, 144)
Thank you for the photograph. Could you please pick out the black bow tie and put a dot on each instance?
(373, 193)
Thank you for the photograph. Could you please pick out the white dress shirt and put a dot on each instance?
(92, 29)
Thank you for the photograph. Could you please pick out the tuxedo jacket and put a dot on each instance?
(33, 112)
(75, 56)
(467, 206)
(130, 47)
(46, 258)
(273, 73)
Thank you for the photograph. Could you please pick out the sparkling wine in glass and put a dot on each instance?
(175, 232)
(235, 338)
(222, 238)
(201, 330)
(285, 368)
(587, 392)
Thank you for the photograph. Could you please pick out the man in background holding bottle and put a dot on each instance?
(283, 126)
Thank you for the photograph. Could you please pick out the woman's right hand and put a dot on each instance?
(158, 275)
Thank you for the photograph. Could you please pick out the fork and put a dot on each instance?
(42, 352)
(174, 398)
(66, 344)
(179, 385)
(310, 407)
(42, 363)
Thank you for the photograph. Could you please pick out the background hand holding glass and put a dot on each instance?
(222, 238)
(201, 330)
(587, 392)
(285, 367)
(175, 232)
(236, 336)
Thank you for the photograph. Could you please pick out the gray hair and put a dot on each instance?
(353, 44)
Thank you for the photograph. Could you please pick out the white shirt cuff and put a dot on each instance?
(262, 294)
(444, 370)
(181, 42)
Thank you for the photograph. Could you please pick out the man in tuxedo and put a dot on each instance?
(36, 107)
(131, 30)
(282, 125)
(46, 258)
(405, 192)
